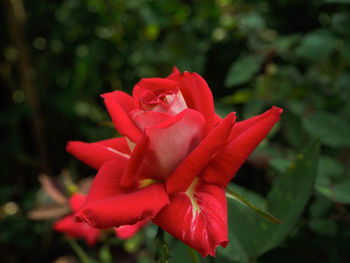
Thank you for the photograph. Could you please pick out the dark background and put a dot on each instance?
(57, 57)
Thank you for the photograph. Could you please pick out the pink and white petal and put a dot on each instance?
(190, 168)
(170, 142)
(77, 230)
(221, 169)
(119, 105)
(197, 95)
(76, 201)
(126, 208)
(144, 119)
(127, 231)
(97, 153)
(177, 104)
(199, 219)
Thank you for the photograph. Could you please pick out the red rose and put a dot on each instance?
(180, 158)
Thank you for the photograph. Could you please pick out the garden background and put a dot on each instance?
(57, 57)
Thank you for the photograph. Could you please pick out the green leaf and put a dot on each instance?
(132, 244)
(289, 196)
(338, 192)
(234, 250)
(338, 1)
(235, 196)
(193, 255)
(329, 128)
(280, 164)
(253, 236)
(328, 168)
(105, 254)
(317, 45)
(319, 207)
(341, 23)
(331, 182)
(243, 70)
(240, 96)
(326, 227)
(346, 50)
(252, 22)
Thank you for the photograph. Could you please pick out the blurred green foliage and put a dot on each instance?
(254, 54)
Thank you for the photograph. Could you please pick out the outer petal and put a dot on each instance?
(125, 209)
(218, 119)
(153, 84)
(244, 140)
(96, 153)
(242, 126)
(127, 231)
(197, 95)
(188, 169)
(198, 218)
(76, 201)
(77, 230)
(169, 143)
(106, 184)
(110, 205)
(119, 105)
(174, 73)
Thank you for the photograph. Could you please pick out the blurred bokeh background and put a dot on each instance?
(57, 57)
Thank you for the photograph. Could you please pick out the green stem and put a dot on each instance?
(193, 255)
(162, 251)
(84, 258)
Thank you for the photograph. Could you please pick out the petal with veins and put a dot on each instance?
(197, 217)
(97, 153)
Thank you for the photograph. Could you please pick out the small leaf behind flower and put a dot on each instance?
(235, 196)
(287, 199)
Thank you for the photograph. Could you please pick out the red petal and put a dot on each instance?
(203, 228)
(153, 84)
(174, 73)
(96, 153)
(197, 95)
(242, 126)
(130, 174)
(218, 119)
(119, 104)
(77, 230)
(107, 182)
(127, 231)
(170, 142)
(188, 169)
(126, 208)
(245, 137)
(76, 201)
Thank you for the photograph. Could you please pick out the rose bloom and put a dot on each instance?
(173, 163)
